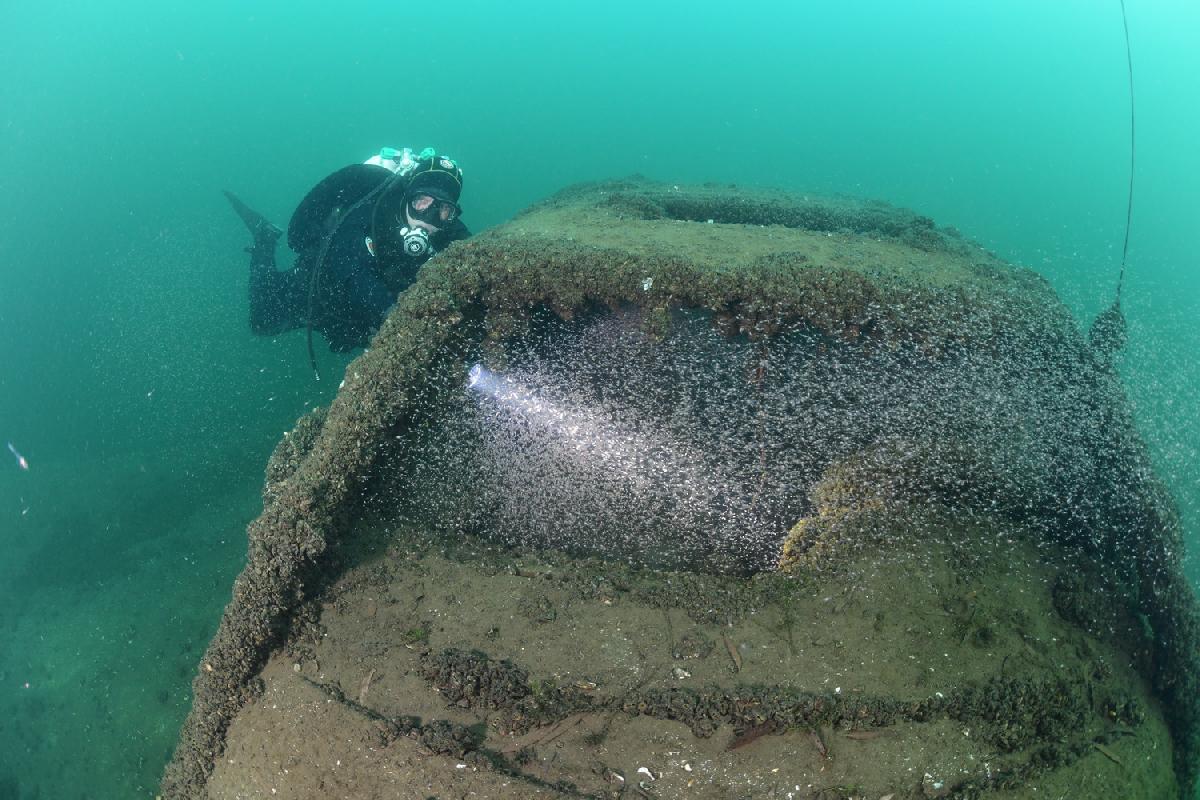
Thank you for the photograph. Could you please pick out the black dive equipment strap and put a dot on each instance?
(318, 218)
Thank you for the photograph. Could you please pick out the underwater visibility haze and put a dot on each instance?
(140, 412)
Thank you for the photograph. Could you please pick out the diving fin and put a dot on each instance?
(262, 229)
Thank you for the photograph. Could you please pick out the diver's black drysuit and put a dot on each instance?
(354, 289)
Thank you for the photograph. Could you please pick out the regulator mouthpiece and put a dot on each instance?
(415, 242)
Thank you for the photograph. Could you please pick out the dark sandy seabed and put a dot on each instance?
(540, 676)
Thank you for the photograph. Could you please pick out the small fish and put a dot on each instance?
(865, 736)
(21, 462)
(819, 743)
(750, 734)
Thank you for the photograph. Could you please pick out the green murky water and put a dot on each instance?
(146, 410)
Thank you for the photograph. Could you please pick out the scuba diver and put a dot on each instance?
(360, 236)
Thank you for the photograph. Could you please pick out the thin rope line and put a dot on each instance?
(1132, 151)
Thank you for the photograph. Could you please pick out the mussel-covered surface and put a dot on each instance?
(700, 491)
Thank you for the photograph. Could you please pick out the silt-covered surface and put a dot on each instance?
(913, 430)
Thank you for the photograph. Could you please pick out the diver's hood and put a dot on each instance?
(439, 184)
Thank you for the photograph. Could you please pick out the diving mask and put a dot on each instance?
(432, 210)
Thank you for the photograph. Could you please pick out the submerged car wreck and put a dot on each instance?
(709, 492)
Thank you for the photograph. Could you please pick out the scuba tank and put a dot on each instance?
(399, 162)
